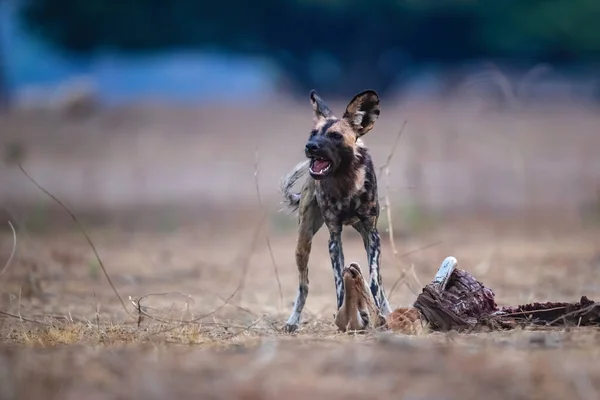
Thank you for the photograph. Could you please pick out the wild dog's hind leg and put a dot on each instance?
(372, 242)
(310, 221)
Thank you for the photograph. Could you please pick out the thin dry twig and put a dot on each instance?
(245, 268)
(414, 274)
(74, 218)
(584, 310)
(14, 249)
(419, 249)
(68, 318)
(142, 310)
(404, 272)
(385, 168)
(7, 314)
(402, 280)
(178, 323)
(97, 311)
(385, 171)
(393, 149)
(268, 240)
(244, 309)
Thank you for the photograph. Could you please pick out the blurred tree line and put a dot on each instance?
(327, 44)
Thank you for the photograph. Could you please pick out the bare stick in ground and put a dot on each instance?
(12, 253)
(384, 170)
(260, 202)
(74, 218)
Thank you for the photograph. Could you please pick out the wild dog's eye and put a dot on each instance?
(335, 135)
(312, 134)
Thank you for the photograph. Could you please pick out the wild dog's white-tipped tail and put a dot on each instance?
(292, 199)
(443, 274)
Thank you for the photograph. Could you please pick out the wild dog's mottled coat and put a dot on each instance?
(341, 190)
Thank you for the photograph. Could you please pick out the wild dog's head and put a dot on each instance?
(332, 144)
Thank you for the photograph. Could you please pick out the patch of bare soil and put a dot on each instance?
(524, 365)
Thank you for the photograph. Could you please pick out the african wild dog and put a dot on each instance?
(341, 190)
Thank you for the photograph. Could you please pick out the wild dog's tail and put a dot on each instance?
(292, 199)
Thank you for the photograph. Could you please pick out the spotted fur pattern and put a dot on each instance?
(341, 194)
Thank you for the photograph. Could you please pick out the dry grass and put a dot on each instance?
(84, 344)
(64, 333)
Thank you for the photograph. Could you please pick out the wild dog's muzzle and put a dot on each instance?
(320, 163)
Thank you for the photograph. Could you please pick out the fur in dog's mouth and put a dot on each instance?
(319, 166)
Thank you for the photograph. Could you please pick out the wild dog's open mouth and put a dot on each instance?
(319, 166)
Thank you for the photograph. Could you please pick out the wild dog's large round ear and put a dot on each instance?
(363, 111)
(320, 108)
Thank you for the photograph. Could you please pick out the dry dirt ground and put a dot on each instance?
(84, 344)
(216, 283)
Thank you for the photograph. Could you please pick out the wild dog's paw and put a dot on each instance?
(291, 328)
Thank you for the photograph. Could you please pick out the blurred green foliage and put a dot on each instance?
(327, 44)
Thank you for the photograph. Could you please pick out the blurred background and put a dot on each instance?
(144, 103)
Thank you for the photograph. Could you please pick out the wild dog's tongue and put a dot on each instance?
(320, 165)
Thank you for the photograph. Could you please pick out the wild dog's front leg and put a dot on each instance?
(368, 232)
(375, 280)
(337, 261)
(303, 248)
(310, 222)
